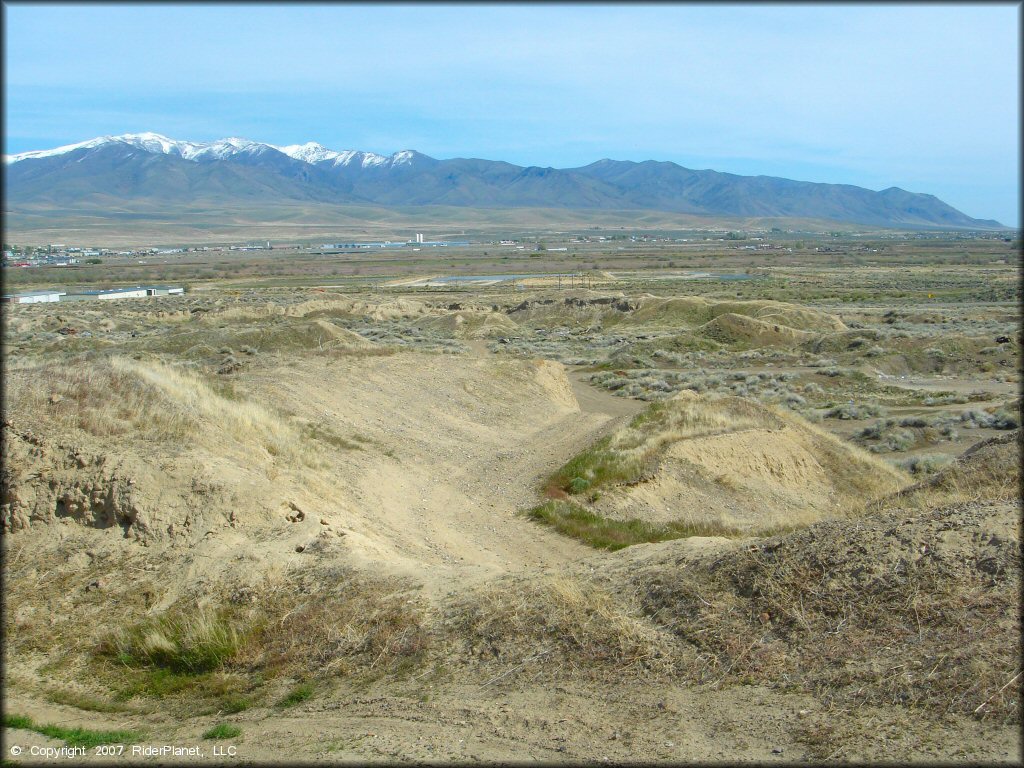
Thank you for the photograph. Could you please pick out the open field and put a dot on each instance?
(315, 511)
(150, 224)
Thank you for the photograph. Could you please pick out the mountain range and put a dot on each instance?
(118, 173)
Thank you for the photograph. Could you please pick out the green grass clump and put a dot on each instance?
(223, 731)
(297, 695)
(18, 721)
(605, 533)
(598, 465)
(179, 644)
(73, 737)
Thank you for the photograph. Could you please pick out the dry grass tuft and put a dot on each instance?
(310, 623)
(988, 470)
(357, 626)
(559, 622)
(877, 611)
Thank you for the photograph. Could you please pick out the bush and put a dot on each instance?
(852, 411)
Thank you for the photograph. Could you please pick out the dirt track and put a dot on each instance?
(465, 452)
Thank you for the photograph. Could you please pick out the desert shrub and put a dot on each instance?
(1004, 419)
(876, 430)
(945, 398)
(1000, 419)
(915, 421)
(897, 440)
(849, 411)
(925, 465)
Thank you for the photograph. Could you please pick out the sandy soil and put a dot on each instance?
(524, 722)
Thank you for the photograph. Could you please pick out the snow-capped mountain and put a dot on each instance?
(310, 152)
(136, 170)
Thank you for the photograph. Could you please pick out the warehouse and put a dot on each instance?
(137, 292)
(33, 297)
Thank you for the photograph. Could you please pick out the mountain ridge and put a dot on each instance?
(149, 166)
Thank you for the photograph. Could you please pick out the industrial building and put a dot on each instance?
(136, 292)
(33, 297)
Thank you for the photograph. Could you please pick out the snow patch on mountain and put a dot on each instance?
(310, 152)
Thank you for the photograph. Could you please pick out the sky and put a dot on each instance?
(920, 96)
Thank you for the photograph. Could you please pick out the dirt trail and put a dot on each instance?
(457, 451)
(594, 400)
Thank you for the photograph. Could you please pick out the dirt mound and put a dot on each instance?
(726, 463)
(693, 311)
(336, 336)
(740, 330)
(101, 452)
(550, 378)
(918, 610)
(159, 454)
(798, 317)
(577, 307)
(270, 333)
(322, 307)
(470, 324)
(611, 309)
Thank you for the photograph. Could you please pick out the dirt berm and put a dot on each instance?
(732, 464)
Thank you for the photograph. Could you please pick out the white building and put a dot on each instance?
(137, 292)
(164, 290)
(34, 297)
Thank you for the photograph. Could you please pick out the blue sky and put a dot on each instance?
(923, 97)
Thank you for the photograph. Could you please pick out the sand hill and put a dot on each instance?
(727, 463)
